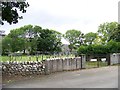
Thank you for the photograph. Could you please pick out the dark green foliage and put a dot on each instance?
(90, 37)
(73, 36)
(109, 31)
(99, 49)
(114, 47)
(10, 11)
(110, 47)
(32, 39)
(49, 41)
(115, 35)
(83, 49)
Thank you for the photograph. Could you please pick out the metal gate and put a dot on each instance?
(97, 60)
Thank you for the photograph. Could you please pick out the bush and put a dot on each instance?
(110, 47)
(114, 47)
(82, 49)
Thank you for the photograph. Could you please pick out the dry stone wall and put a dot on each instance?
(44, 67)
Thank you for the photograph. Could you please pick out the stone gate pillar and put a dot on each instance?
(83, 61)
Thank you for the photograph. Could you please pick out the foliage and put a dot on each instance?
(97, 40)
(73, 36)
(32, 39)
(10, 11)
(49, 40)
(114, 47)
(110, 47)
(108, 31)
(90, 37)
(115, 35)
(82, 49)
(6, 45)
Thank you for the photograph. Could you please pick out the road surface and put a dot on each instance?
(105, 77)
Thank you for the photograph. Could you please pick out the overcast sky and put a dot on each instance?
(63, 15)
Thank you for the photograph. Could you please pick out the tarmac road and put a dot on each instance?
(105, 77)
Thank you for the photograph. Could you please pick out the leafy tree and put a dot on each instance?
(82, 49)
(10, 11)
(110, 47)
(90, 37)
(18, 39)
(106, 31)
(73, 36)
(49, 41)
(57, 40)
(99, 49)
(114, 47)
(92, 49)
(6, 45)
(115, 35)
(98, 41)
(32, 39)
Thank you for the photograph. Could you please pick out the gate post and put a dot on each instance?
(83, 61)
(47, 67)
(98, 61)
(108, 59)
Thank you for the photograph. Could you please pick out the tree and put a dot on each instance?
(49, 41)
(115, 35)
(110, 47)
(57, 40)
(33, 39)
(18, 39)
(82, 49)
(90, 37)
(10, 11)
(6, 45)
(98, 40)
(114, 47)
(73, 36)
(106, 30)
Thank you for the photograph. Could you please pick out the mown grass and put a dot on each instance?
(30, 58)
(91, 64)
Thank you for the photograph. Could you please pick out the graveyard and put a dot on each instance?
(59, 44)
